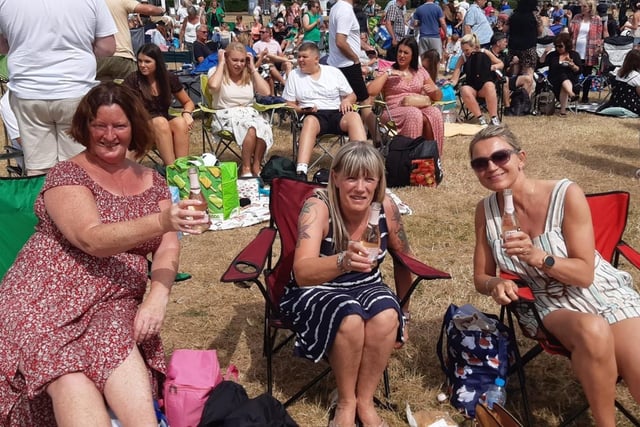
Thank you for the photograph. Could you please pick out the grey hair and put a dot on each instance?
(500, 131)
(357, 158)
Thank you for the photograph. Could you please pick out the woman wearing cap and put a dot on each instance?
(587, 34)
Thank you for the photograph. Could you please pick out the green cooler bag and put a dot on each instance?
(218, 184)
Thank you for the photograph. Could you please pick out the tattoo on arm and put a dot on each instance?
(400, 233)
(305, 220)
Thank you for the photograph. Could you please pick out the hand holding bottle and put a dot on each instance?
(181, 217)
(356, 258)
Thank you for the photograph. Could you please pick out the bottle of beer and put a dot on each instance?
(509, 221)
(371, 236)
(195, 193)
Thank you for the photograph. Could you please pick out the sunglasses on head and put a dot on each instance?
(498, 158)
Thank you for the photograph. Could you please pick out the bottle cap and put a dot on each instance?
(499, 382)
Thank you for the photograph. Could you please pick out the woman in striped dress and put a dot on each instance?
(337, 302)
(586, 303)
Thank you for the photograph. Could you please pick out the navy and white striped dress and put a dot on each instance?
(317, 311)
(611, 295)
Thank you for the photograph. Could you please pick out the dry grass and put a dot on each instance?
(598, 153)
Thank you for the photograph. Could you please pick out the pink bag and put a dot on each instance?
(191, 376)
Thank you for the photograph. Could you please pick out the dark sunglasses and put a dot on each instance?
(499, 158)
(559, 45)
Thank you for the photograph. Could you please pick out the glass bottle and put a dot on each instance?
(510, 223)
(195, 193)
(371, 236)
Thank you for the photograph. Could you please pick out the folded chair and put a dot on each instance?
(609, 213)
(17, 196)
(258, 264)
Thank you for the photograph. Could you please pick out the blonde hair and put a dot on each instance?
(357, 158)
(471, 39)
(245, 79)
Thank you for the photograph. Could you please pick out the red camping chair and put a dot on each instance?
(256, 264)
(609, 213)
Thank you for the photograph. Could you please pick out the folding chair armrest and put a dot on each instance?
(10, 153)
(261, 108)
(524, 291)
(417, 267)
(421, 270)
(247, 266)
(205, 109)
(629, 253)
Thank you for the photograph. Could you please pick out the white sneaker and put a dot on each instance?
(482, 121)
(495, 121)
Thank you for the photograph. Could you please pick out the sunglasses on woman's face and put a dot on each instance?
(498, 158)
(559, 46)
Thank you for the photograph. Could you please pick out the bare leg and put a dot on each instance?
(468, 95)
(248, 147)
(352, 124)
(180, 132)
(344, 357)
(128, 392)
(566, 92)
(308, 134)
(77, 402)
(627, 345)
(590, 340)
(488, 92)
(258, 155)
(380, 337)
(164, 139)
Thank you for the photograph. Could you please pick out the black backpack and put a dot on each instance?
(413, 162)
(520, 102)
(278, 166)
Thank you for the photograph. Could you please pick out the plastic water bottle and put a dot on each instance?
(496, 393)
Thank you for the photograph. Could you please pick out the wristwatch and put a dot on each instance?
(548, 262)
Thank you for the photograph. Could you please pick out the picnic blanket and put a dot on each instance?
(258, 211)
(453, 129)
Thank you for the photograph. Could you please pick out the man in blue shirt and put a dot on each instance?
(430, 18)
(476, 22)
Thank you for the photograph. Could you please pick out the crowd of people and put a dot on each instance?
(101, 213)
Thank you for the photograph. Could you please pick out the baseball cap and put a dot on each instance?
(280, 20)
(497, 36)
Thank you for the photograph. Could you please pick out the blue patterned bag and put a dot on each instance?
(477, 352)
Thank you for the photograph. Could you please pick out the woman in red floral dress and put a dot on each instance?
(409, 92)
(76, 335)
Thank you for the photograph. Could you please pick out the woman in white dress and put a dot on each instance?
(233, 84)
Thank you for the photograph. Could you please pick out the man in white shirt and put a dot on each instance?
(49, 75)
(323, 98)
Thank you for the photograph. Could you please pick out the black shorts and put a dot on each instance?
(329, 121)
(353, 73)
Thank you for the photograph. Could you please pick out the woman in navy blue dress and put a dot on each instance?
(337, 302)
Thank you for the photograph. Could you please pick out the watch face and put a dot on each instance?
(549, 261)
